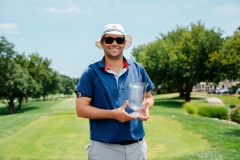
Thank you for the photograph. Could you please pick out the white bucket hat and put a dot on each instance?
(115, 29)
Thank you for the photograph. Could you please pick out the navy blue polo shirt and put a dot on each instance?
(107, 92)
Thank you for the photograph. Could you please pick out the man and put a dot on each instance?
(102, 97)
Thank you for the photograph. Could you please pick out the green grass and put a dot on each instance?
(168, 138)
(228, 100)
(223, 137)
(44, 130)
(51, 130)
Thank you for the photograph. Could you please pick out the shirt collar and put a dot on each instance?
(102, 63)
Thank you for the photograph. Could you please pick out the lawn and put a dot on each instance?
(51, 130)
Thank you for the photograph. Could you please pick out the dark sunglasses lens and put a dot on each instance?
(119, 40)
(109, 40)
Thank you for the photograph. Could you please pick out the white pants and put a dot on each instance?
(105, 151)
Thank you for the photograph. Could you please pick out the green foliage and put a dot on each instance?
(226, 62)
(136, 52)
(14, 81)
(28, 76)
(75, 80)
(191, 107)
(205, 109)
(232, 106)
(67, 85)
(188, 55)
(39, 68)
(213, 111)
(6, 48)
(234, 114)
(179, 59)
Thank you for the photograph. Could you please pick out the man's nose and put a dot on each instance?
(114, 42)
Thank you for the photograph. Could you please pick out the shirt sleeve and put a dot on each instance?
(85, 84)
(147, 79)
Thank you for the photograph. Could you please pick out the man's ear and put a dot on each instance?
(101, 42)
(125, 42)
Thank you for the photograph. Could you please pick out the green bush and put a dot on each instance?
(235, 114)
(232, 106)
(204, 109)
(191, 107)
(213, 111)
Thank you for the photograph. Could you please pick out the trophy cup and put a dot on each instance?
(136, 97)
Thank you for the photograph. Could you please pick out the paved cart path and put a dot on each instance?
(214, 100)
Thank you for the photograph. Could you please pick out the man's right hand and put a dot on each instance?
(121, 115)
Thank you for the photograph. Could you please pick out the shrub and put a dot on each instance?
(204, 111)
(232, 106)
(213, 111)
(191, 107)
(235, 114)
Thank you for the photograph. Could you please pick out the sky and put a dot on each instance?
(65, 31)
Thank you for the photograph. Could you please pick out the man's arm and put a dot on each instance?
(149, 99)
(85, 110)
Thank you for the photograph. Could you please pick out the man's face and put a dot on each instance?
(113, 50)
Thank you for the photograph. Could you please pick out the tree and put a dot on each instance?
(45, 76)
(22, 77)
(193, 50)
(226, 62)
(180, 59)
(14, 79)
(33, 88)
(76, 80)
(136, 52)
(67, 85)
(52, 84)
(14, 83)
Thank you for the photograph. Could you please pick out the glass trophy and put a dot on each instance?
(136, 97)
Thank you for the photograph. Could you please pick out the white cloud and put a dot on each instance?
(10, 28)
(72, 9)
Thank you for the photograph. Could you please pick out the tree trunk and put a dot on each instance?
(20, 99)
(181, 92)
(188, 92)
(11, 106)
(166, 84)
(187, 96)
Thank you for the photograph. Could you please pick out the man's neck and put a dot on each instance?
(114, 64)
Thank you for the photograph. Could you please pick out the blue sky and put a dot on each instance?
(65, 31)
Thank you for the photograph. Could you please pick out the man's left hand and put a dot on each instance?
(144, 112)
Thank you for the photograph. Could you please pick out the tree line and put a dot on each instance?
(23, 76)
(185, 56)
(176, 61)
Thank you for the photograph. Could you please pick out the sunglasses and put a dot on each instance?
(109, 40)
